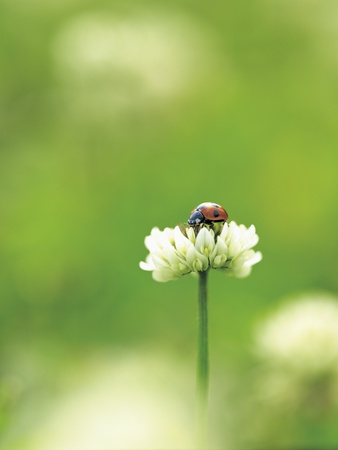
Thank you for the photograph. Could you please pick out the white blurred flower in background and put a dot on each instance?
(298, 346)
(302, 335)
(130, 59)
(119, 402)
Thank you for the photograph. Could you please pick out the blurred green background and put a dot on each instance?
(119, 116)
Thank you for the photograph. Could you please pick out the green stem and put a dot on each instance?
(202, 363)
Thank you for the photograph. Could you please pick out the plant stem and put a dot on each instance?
(202, 363)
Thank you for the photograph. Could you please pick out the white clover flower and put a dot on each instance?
(302, 337)
(182, 250)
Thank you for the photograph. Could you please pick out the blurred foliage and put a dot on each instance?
(85, 175)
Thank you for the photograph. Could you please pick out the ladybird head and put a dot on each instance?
(196, 218)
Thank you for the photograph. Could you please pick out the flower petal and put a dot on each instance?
(219, 254)
(205, 241)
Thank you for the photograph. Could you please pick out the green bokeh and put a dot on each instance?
(82, 184)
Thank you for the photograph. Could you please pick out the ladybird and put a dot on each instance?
(207, 212)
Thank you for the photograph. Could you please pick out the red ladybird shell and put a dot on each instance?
(212, 211)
